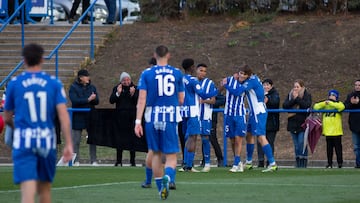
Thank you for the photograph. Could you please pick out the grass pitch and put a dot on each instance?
(122, 184)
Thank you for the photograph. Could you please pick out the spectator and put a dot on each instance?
(111, 6)
(37, 98)
(12, 8)
(161, 91)
(298, 98)
(125, 95)
(82, 95)
(190, 112)
(332, 126)
(272, 101)
(256, 126)
(235, 121)
(352, 103)
(75, 6)
(205, 113)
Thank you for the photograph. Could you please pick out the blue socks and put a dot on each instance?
(236, 160)
(249, 152)
(171, 172)
(206, 150)
(148, 175)
(189, 158)
(268, 152)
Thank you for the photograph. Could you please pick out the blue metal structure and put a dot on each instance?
(70, 110)
(56, 49)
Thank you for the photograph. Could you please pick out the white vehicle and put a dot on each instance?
(130, 9)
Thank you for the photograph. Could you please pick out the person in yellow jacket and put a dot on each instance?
(332, 126)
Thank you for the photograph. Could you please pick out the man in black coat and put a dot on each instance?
(82, 95)
(353, 102)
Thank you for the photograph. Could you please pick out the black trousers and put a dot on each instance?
(181, 135)
(331, 143)
(119, 153)
(75, 6)
(11, 7)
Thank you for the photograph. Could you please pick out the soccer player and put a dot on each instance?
(191, 112)
(205, 113)
(251, 85)
(235, 121)
(35, 98)
(161, 91)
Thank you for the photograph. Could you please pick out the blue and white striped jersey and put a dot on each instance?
(234, 105)
(33, 96)
(206, 109)
(254, 91)
(193, 92)
(162, 85)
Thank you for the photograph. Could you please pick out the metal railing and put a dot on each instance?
(56, 49)
(71, 110)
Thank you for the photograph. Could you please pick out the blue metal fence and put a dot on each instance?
(71, 110)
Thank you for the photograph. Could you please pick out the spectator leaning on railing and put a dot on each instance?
(352, 102)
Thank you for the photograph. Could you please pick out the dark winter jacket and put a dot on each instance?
(124, 100)
(273, 122)
(79, 95)
(297, 119)
(354, 117)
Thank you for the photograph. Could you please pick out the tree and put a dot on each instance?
(155, 9)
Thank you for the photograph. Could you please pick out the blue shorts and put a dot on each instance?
(235, 126)
(205, 128)
(191, 126)
(162, 137)
(257, 124)
(29, 165)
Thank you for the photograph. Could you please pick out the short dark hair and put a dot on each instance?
(267, 80)
(161, 51)
(201, 65)
(152, 61)
(246, 69)
(33, 54)
(187, 63)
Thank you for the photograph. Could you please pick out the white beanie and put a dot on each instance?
(124, 75)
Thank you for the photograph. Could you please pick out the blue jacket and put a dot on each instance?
(79, 95)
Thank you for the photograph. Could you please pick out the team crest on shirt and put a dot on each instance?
(245, 84)
(197, 86)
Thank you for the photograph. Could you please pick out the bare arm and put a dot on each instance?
(65, 129)
(181, 96)
(139, 112)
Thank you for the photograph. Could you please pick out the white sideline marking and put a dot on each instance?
(197, 183)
